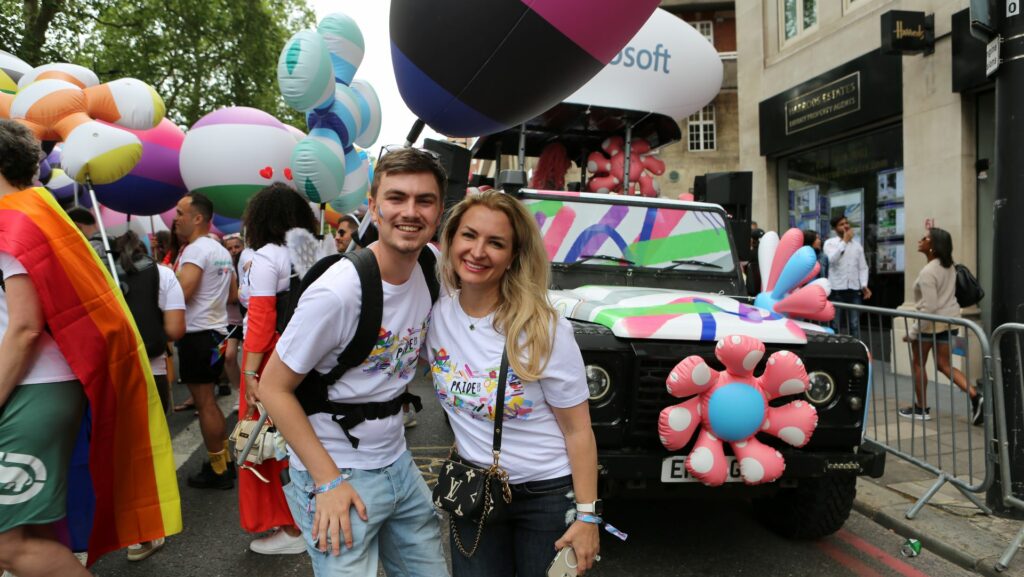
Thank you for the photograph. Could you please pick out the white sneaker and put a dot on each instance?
(409, 420)
(140, 551)
(279, 543)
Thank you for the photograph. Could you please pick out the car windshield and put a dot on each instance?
(662, 235)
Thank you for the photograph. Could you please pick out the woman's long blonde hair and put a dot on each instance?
(523, 308)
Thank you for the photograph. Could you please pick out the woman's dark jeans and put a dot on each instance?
(522, 542)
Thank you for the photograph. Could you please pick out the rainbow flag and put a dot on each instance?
(130, 459)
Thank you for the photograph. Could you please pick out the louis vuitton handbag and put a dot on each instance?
(470, 492)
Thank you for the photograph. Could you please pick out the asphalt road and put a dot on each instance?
(668, 539)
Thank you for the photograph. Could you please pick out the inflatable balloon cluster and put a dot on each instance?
(608, 168)
(12, 69)
(66, 103)
(732, 407)
(788, 273)
(315, 72)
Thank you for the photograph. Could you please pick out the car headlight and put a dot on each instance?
(822, 388)
(599, 382)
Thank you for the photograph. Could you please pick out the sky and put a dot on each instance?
(372, 18)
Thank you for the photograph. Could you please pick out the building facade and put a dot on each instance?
(831, 123)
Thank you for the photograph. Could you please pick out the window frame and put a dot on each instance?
(801, 31)
(701, 120)
(710, 24)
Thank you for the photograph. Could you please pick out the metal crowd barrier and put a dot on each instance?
(948, 445)
(1009, 500)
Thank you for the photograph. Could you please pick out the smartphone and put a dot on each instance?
(564, 564)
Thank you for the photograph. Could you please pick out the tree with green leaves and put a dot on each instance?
(200, 55)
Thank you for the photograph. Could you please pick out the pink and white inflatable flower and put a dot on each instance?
(733, 408)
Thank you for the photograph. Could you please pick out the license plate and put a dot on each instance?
(673, 470)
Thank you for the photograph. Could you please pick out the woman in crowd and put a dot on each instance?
(935, 293)
(271, 213)
(495, 272)
(232, 370)
(813, 240)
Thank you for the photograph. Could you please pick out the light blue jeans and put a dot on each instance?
(403, 529)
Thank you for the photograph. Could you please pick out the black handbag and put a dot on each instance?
(470, 492)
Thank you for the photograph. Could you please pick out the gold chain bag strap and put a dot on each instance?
(470, 492)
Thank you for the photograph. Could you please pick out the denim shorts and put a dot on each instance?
(403, 529)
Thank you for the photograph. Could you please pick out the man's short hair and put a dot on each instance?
(836, 220)
(79, 215)
(408, 161)
(350, 220)
(19, 154)
(203, 205)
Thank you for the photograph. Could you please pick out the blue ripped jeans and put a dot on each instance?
(522, 542)
(403, 529)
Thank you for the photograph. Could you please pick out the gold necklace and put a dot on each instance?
(473, 321)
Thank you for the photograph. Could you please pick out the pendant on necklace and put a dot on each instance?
(472, 327)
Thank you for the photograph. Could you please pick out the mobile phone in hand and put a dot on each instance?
(564, 564)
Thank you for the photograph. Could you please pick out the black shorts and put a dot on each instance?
(200, 360)
(235, 332)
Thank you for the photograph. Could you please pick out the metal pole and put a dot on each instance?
(103, 231)
(625, 163)
(1008, 267)
(323, 211)
(522, 146)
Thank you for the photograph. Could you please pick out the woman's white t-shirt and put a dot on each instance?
(465, 362)
(171, 298)
(48, 364)
(268, 274)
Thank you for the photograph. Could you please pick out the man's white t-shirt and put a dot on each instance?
(171, 298)
(207, 309)
(268, 274)
(465, 363)
(47, 364)
(323, 325)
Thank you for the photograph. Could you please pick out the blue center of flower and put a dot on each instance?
(736, 411)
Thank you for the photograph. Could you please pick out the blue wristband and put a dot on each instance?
(588, 518)
(324, 488)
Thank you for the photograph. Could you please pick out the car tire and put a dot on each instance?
(816, 508)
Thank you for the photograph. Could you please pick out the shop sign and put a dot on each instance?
(833, 100)
(904, 31)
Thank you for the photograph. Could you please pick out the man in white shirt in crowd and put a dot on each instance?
(366, 496)
(848, 275)
(207, 281)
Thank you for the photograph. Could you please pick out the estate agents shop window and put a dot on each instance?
(860, 178)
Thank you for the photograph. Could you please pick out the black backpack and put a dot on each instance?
(141, 289)
(312, 391)
(968, 290)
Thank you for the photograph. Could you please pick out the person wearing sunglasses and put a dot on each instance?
(345, 235)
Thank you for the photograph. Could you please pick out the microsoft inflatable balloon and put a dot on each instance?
(155, 184)
(230, 154)
(733, 407)
(65, 102)
(315, 72)
(474, 68)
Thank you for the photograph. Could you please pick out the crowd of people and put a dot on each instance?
(348, 493)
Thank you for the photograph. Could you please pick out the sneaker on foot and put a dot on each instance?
(140, 551)
(977, 409)
(279, 543)
(207, 479)
(916, 412)
(409, 420)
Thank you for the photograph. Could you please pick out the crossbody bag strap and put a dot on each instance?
(499, 415)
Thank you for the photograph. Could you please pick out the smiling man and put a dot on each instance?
(352, 479)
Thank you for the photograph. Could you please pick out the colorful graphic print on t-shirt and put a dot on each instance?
(395, 354)
(475, 391)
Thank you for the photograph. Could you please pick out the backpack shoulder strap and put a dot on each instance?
(370, 316)
(428, 263)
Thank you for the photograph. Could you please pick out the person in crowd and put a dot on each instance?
(848, 275)
(356, 493)
(161, 244)
(935, 293)
(86, 222)
(495, 274)
(233, 242)
(751, 270)
(345, 235)
(207, 280)
(813, 240)
(271, 213)
(159, 320)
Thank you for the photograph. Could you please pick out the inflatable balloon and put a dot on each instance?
(65, 102)
(732, 406)
(608, 170)
(60, 185)
(513, 61)
(155, 184)
(230, 154)
(12, 69)
(226, 225)
(787, 269)
(315, 72)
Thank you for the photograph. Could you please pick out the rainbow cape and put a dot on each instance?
(130, 459)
